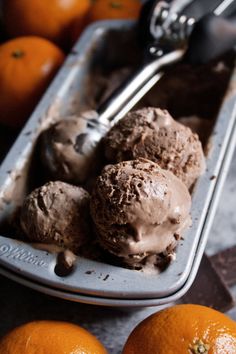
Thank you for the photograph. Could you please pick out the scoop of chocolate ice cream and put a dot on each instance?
(57, 213)
(153, 134)
(62, 149)
(139, 210)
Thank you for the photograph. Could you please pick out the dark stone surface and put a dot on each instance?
(225, 264)
(209, 288)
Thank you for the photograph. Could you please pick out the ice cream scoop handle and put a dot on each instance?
(136, 97)
(211, 37)
(124, 94)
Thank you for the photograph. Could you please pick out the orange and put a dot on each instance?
(184, 329)
(107, 9)
(27, 65)
(77, 28)
(50, 337)
(114, 9)
(51, 19)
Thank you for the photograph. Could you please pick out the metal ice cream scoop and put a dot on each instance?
(173, 37)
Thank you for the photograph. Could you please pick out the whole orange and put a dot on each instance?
(107, 9)
(50, 19)
(27, 65)
(114, 9)
(77, 28)
(183, 329)
(50, 337)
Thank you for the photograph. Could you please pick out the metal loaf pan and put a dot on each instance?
(92, 281)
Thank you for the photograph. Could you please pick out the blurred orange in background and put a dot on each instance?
(27, 65)
(108, 9)
(114, 9)
(51, 19)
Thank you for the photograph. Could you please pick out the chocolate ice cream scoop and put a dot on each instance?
(57, 213)
(140, 211)
(64, 152)
(153, 134)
